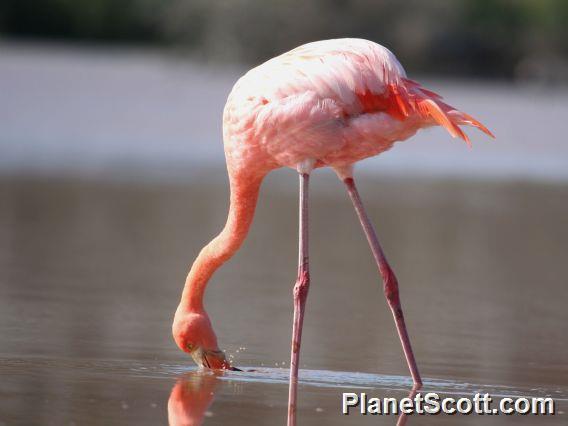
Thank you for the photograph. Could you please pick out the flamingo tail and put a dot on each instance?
(410, 96)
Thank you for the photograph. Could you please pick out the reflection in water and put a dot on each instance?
(194, 392)
(403, 418)
(191, 397)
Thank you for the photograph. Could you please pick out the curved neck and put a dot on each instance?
(244, 195)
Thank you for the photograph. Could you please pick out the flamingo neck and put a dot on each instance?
(244, 195)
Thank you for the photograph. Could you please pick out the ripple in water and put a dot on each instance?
(356, 380)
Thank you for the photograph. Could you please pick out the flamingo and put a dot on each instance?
(328, 103)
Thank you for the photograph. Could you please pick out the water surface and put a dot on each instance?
(90, 274)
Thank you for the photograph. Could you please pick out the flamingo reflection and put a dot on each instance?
(403, 418)
(194, 392)
(191, 397)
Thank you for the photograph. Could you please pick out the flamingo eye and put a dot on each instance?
(189, 347)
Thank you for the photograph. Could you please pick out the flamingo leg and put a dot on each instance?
(390, 283)
(300, 295)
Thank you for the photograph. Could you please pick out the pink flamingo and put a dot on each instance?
(327, 103)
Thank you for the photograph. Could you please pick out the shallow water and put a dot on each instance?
(90, 274)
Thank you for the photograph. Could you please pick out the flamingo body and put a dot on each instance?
(335, 102)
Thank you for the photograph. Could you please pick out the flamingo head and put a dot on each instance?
(194, 334)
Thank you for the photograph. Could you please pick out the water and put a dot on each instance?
(91, 272)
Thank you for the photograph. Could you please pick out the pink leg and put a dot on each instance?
(390, 283)
(300, 295)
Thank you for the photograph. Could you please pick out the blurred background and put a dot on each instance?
(112, 178)
(482, 38)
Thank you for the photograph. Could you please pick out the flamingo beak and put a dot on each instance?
(212, 359)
